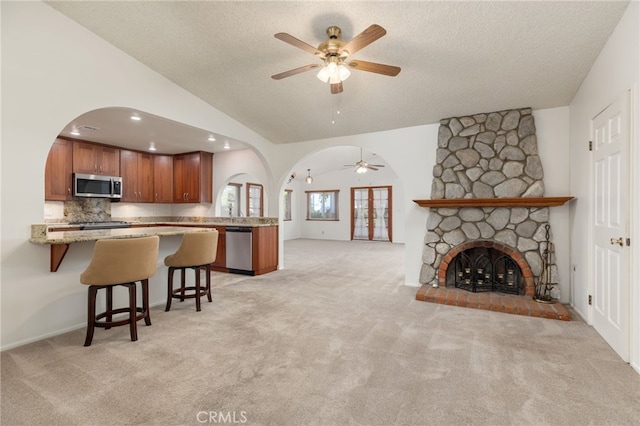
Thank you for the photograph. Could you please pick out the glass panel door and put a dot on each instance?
(361, 214)
(371, 211)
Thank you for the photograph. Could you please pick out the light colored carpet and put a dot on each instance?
(336, 338)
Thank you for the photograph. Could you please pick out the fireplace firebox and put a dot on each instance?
(485, 269)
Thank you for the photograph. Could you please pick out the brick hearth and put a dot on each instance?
(491, 301)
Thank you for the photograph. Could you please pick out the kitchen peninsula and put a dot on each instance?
(263, 250)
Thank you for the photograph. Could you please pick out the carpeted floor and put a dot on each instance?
(336, 338)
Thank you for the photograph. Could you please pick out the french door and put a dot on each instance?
(610, 212)
(371, 216)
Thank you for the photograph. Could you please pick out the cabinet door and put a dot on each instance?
(163, 178)
(206, 177)
(85, 158)
(265, 249)
(145, 178)
(220, 264)
(57, 172)
(192, 177)
(179, 192)
(108, 161)
(129, 169)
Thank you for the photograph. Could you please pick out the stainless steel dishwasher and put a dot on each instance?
(239, 250)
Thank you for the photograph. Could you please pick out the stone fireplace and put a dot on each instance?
(485, 202)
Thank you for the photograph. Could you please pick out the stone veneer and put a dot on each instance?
(492, 155)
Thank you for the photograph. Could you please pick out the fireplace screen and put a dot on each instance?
(485, 269)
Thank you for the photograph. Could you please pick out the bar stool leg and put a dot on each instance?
(109, 310)
(207, 270)
(145, 301)
(170, 292)
(91, 314)
(198, 295)
(132, 311)
(183, 280)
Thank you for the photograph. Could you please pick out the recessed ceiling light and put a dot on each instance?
(75, 133)
(136, 118)
(152, 146)
(226, 145)
(211, 138)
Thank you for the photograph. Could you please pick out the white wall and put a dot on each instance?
(552, 132)
(615, 71)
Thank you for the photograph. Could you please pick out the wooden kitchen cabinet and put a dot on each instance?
(193, 177)
(58, 180)
(265, 249)
(220, 264)
(96, 159)
(137, 176)
(163, 178)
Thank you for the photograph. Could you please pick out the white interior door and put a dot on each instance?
(611, 303)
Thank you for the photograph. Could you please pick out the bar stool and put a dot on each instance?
(120, 262)
(197, 251)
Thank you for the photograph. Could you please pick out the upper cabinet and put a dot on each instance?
(163, 178)
(193, 177)
(96, 159)
(137, 176)
(146, 178)
(58, 172)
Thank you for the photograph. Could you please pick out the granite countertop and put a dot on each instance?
(68, 237)
(41, 234)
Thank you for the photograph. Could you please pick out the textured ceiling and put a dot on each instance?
(457, 58)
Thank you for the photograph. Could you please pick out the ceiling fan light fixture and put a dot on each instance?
(333, 71)
(323, 75)
(343, 72)
(361, 169)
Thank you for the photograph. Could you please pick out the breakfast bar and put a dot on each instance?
(60, 240)
(261, 255)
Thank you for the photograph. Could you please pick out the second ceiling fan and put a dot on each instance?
(334, 54)
(362, 166)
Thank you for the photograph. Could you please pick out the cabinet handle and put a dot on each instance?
(69, 191)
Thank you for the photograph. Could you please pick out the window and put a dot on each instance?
(322, 205)
(254, 200)
(230, 200)
(287, 204)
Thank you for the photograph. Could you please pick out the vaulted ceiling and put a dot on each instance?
(456, 57)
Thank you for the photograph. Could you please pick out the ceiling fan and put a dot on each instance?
(334, 54)
(362, 166)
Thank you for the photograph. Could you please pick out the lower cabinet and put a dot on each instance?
(264, 250)
(221, 255)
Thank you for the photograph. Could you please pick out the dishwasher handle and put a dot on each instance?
(238, 229)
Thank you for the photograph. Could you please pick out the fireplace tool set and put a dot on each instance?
(546, 282)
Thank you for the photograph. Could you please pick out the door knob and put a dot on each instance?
(617, 241)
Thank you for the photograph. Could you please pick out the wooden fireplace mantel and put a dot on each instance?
(495, 202)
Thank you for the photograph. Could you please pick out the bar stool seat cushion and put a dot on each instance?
(122, 261)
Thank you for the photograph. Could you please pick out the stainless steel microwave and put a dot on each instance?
(97, 186)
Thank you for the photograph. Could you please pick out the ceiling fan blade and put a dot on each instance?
(336, 88)
(288, 38)
(294, 71)
(377, 165)
(383, 69)
(370, 167)
(364, 39)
